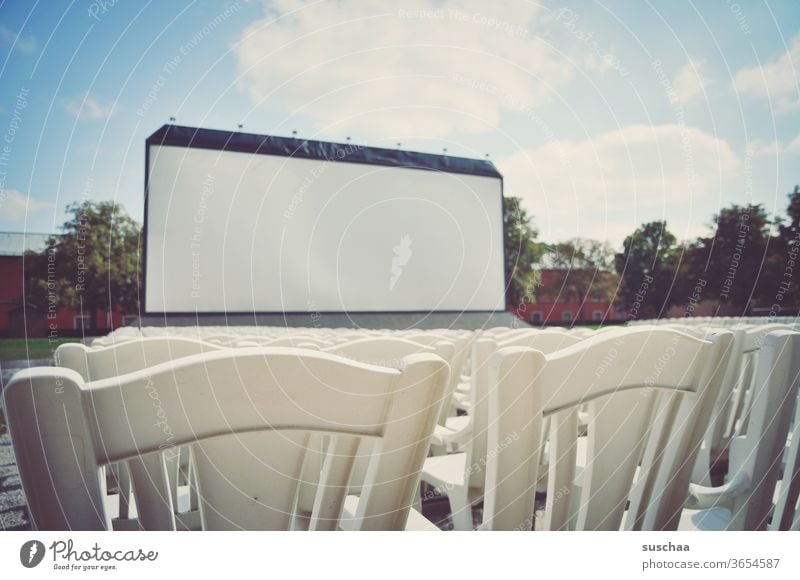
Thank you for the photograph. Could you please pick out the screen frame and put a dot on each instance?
(232, 141)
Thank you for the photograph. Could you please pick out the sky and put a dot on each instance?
(600, 115)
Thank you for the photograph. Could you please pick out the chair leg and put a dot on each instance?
(172, 462)
(460, 509)
(124, 490)
(194, 498)
(417, 505)
(702, 467)
(184, 465)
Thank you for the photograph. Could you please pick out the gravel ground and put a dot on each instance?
(13, 511)
(9, 367)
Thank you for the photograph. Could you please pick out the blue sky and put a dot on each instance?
(601, 115)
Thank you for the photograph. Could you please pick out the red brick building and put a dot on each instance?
(16, 321)
(567, 297)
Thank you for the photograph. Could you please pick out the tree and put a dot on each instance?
(737, 257)
(647, 266)
(791, 233)
(93, 265)
(786, 281)
(522, 252)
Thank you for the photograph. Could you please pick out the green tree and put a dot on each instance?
(92, 265)
(522, 252)
(691, 281)
(738, 258)
(647, 267)
(786, 281)
(791, 232)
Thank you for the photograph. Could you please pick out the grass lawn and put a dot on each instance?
(33, 348)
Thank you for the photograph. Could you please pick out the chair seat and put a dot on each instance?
(416, 521)
(185, 519)
(129, 524)
(188, 521)
(462, 401)
(715, 519)
(445, 470)
(711, 520)
(456, 424)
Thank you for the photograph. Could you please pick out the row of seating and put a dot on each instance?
(262, 428)
(718, 321)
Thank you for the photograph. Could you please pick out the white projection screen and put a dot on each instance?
(242, 223)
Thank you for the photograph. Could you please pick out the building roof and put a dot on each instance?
(17, 243)
(180, 136)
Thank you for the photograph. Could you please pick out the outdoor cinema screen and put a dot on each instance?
(237, 222)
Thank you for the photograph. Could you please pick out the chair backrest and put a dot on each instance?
(501, 333)
(475, 448)
(482, 351)
(221, 338)
(724, 418)
(674, 444)
(751, 341)
(426, 338)
(545, 342)
(95, 364)
(461, 346)
(296, 340)
(382, 351)
(153, 477)
(622, 382)
(756, 454)
(379, 350)
(63, 428)
(786, 515)
(731, 406)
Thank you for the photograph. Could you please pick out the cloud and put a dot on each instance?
(691, 81)
(15, 206)
(579, 42)
(26, 44)
(775, 80)
(430, 67)
(605, 186)
(761, 148)
(89, 108)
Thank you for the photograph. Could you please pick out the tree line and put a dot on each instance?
(93, 265)
(746, 265)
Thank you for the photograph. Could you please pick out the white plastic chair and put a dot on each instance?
(633, 406)
(143, 474)
(126, 357)
(732, 405)
(382, 351)
(786, 515)
(460, 475)
(740, 407)
(64, 429)
(744, 502)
